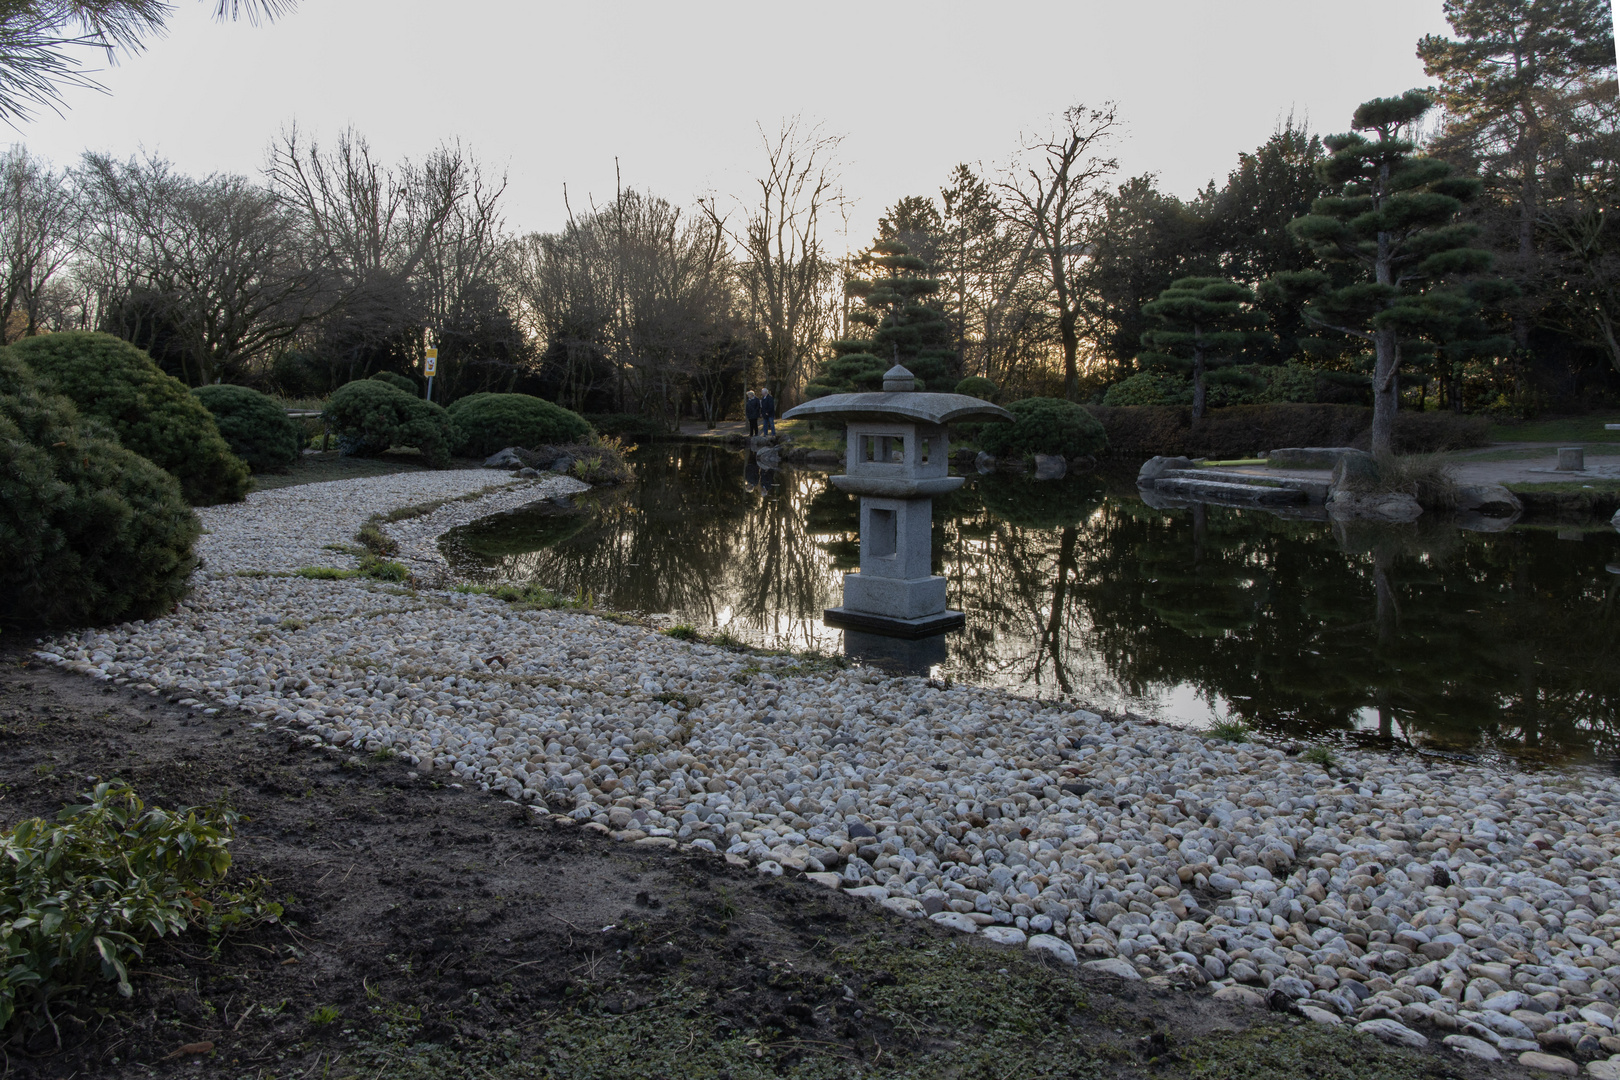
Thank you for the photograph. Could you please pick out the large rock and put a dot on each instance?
(1492, 500)
(1054, 947)
(505, 459)
(1469, 1046)
(1391, 506)
(1155, 467)
(1113, 965)
(1310, 457)
(1050, 467)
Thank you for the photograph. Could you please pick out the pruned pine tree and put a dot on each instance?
(906, 328)
(1204, 325)
(1392, 217)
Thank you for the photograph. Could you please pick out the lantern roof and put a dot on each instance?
(897, 401)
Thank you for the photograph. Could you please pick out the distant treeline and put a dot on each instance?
(1038, 274)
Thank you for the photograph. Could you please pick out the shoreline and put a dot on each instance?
(1143, 850)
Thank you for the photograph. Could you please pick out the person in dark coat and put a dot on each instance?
(751, 410)
(767, 410)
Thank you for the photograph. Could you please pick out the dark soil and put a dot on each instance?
(437, 932)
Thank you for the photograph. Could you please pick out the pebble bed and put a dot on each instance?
(1381, 890)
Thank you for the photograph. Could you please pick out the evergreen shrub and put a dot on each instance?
(89, 531)
(486, 423)
(631, 426)
(403, 382)
(151, 413)
(1045, 426)
(978, 386)
(370, 416)
(258, 430)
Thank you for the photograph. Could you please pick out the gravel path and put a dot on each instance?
(1387, 890)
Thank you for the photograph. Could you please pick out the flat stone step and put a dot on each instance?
(1313, 490)
(1222, 491)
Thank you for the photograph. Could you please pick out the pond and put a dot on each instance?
(1429, 635)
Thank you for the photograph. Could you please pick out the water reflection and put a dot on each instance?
(1427, 634)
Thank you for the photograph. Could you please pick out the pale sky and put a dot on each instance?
(552, 93)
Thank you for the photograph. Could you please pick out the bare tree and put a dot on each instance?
(213, 265)
(1054, 192)
(786, 276)
(38, 219)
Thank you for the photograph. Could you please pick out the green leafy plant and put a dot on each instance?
(486, 423)
(726, 640)
(605, 461)
(682, 632)
(325, 1015)
(1231, 731)
(369, 417)
(1045, 426)
(151, 413)
(81, 899)
(257, 429)
(89, 532)
(370, 567)
(1319, 755)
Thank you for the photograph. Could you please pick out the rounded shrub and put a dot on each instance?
(1150, 388)
(151, 413)
(370, 416)
(1045, 426)
(403, 382)
(257, 429)
(978, 386)
(89, 532)
(490, 422)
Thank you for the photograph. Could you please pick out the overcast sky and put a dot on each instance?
(552, 93)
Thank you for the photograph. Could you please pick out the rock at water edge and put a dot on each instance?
(1050, 467)
(1155, 467)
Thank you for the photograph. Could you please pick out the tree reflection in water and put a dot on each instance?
(1426, 634)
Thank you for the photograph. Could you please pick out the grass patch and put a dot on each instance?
(727, 640)
(1568, 430)
(682, 632)
(370, 567)
(1319, 755)
(1231, 731)
(1539, 453)
(1555, 487)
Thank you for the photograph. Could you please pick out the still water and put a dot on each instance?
(1426, 634)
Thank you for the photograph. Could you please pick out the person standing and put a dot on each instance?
(767, 410)
(751, 411)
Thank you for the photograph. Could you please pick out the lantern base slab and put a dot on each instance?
(843, 618)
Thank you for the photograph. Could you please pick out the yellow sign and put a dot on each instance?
(432, 365)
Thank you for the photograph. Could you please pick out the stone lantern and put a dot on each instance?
(898, 460)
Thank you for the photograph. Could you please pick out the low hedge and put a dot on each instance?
(1045, 426)
(369, 416)
(151, 413)
(258, 430)
(486, 423)
(89, 532)
(1241, 430)
(978, 386)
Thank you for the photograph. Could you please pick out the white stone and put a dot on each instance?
(1392, 1031)
(1469, 1046)
(1053, 946)
(1113, 965)
(955, 920)
(1319, 1015)
(1003, 935)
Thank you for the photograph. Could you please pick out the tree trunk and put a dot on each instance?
(1198, 384)
(1385, 391)
(1071, 350)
